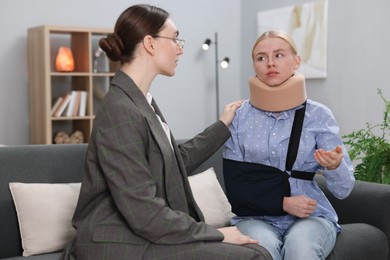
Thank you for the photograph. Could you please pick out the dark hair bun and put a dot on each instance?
(113, 46)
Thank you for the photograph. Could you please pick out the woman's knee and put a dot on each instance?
(312, 237)
(266, 235)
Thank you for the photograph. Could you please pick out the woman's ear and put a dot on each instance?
(148, 44)
(297, 62)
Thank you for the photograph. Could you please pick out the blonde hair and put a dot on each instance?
(276, 34)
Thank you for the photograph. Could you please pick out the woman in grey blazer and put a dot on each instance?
(135, 200)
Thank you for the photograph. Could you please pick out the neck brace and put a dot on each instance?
(285, 96)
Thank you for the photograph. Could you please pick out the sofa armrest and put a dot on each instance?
(368, 203)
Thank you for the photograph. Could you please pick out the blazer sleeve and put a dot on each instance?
(198, 149)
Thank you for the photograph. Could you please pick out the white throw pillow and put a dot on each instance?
(211, 198)
(45, 214)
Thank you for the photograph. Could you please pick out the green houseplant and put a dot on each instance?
(370, 148)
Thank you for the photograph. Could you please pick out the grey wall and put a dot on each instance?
(358, 57)
(187, 100)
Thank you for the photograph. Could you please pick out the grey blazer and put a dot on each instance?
(135, 200)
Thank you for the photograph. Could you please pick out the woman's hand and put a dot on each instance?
(329, 159)
(234, 236)
(299, 206)
(229, 112)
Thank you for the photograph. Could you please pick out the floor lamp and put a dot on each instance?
(218, 63)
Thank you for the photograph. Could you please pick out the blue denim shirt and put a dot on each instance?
(262, 137)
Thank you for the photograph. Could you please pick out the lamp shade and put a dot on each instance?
(64, 59)
(206, 44)
(225, 63)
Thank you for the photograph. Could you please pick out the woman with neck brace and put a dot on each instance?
(280, 139)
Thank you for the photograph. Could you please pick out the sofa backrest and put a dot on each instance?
(33, 164)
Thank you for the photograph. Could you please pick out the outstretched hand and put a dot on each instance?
(329, 159)
(229, 111)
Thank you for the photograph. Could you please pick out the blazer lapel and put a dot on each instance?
(193, 207)
(124, 82)
(180, 162)
(177, 170)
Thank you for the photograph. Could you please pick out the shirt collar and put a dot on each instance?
(283, 114)
(149, 98)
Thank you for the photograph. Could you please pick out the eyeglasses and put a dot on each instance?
(179, 42)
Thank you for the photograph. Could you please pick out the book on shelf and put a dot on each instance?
(56, 104)
(83, 103)
(69, 110)
(64, 103)
(77, 103)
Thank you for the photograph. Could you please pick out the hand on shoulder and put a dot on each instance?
(229, 112)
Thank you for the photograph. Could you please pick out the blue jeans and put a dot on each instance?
(308, 238)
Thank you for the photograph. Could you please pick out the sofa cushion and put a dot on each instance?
(211, 198)
(50, 256)
(44, 213)
(360, 241)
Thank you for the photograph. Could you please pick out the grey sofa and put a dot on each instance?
(364, 215)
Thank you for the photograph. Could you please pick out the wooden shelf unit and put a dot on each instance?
(46, 84)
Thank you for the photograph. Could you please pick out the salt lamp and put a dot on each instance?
(64, 59)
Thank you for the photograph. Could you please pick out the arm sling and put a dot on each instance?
(255, 189)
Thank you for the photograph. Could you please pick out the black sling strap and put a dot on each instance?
(295, 137)
(293, 145)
